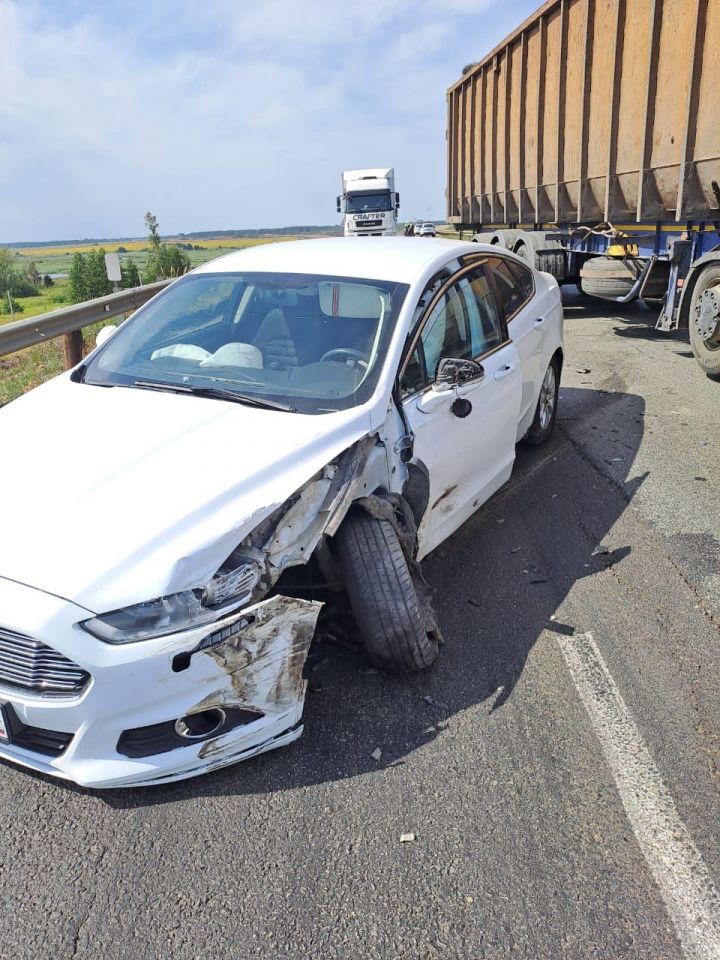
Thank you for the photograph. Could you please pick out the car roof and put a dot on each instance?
(378, 258)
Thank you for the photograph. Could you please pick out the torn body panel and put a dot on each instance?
(122, 731)
(263, 666)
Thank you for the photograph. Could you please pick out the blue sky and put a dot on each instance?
(224, 114)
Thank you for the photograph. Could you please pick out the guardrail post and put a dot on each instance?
(73, 348)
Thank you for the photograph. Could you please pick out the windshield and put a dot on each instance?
(315, 343)
(368, 202)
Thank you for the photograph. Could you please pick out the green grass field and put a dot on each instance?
(54, 260)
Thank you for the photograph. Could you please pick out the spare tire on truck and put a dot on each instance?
(608, 277)
(382, 594)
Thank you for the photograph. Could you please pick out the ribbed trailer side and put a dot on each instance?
(593, 110)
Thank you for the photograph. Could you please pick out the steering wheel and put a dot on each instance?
(342, 354)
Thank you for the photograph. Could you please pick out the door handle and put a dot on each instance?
(502, 372)
(539, 322)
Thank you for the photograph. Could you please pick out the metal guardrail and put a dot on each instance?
(69, 321)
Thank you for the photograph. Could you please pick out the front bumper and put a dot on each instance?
(254, 666)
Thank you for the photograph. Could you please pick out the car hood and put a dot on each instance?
(113, 496)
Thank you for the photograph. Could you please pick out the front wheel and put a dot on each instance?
(546, 411)
(704, 320)
(382, 595)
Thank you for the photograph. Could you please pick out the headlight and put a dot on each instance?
(227, 591)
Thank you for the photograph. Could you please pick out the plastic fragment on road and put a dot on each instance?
(435, 703)
(407, 837)
(376, 754)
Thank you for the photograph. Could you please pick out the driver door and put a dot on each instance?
(468, 449)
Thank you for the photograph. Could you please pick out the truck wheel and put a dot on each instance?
(547, 261)
(546, 411)
(607, 277)
(382, 595)
(704, 320)
(505, 238)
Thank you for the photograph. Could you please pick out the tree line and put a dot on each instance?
(88, 276)
(16, 281)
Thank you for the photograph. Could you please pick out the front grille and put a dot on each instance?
(368, 223)
(30, 665)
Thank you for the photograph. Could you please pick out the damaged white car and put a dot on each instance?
(286, 423)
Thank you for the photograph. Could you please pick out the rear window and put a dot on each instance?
(514, 283)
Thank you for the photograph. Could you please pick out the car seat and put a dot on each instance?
(275, 341)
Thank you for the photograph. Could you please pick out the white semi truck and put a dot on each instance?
(369, 203)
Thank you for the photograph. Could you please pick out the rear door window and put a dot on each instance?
(514, 284)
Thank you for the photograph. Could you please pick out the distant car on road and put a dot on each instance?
(281, 423)
(427, 230)
(417, 228)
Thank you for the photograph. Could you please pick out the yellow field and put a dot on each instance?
(207, 243)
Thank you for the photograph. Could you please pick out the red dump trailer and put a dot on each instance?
(588, 142)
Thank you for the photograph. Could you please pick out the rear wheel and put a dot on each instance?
(704, 320)
(552, 260)
(382, 595)
(546, 411)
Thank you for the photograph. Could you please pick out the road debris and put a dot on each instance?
(376, 754)
(475, 603)
(435, 703)
(600, 550)
(407, 837)
(515, 549)
(583, 370)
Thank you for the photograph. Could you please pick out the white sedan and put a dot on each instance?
(286, 424)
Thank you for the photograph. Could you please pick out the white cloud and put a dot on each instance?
(223, 114)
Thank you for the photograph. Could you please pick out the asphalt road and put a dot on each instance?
(561, 782)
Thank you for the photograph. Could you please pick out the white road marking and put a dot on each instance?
(687, 888)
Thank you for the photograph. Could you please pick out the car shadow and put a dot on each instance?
(497, 583)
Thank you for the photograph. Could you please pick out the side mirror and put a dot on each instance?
(105, 334)
(454, 373)
(338, 204)
(397, 201)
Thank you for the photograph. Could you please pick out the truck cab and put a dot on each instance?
(369, 203)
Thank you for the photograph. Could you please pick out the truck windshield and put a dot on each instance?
(313, 343)
(368, 202)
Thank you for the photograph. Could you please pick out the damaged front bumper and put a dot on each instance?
(133, 721)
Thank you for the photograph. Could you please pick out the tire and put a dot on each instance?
(382, 595)
(607, 277)
(703, 311)
(530, 242)
(506, 238)
(546, 410)
(525, 253)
